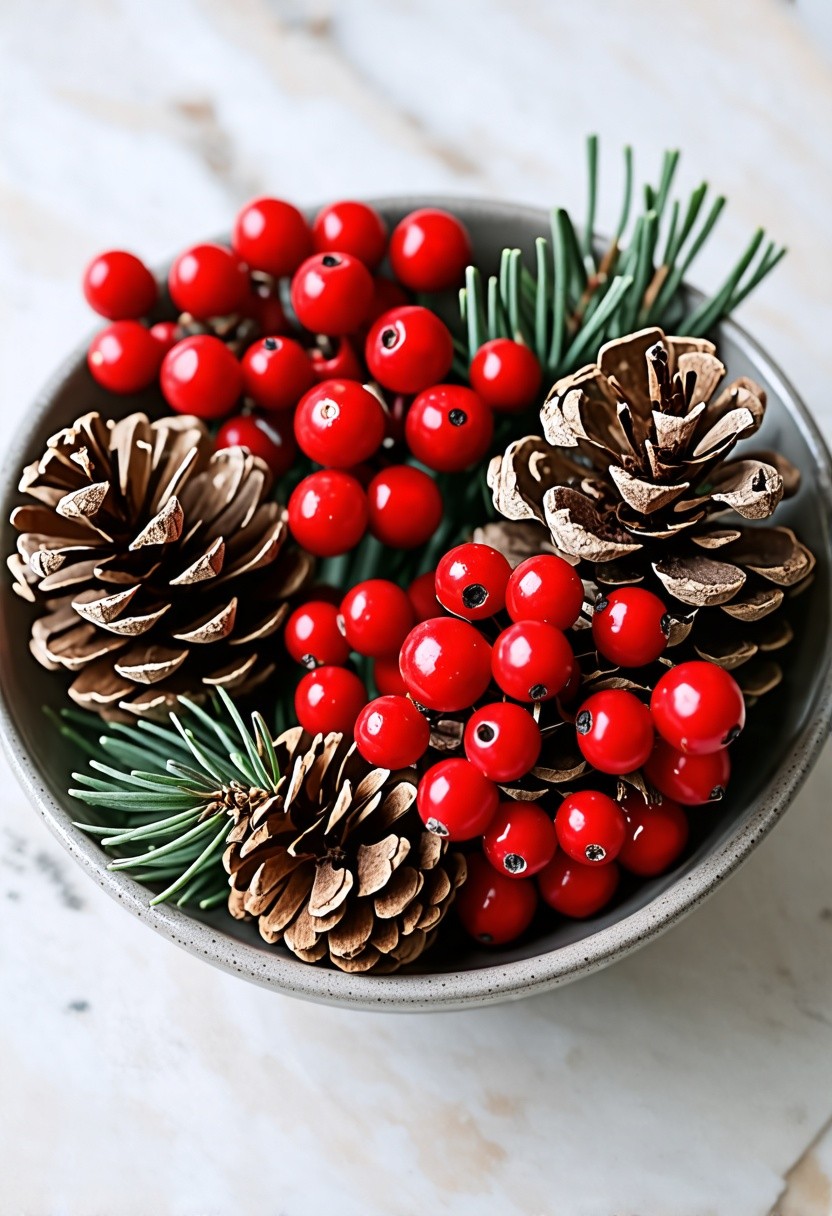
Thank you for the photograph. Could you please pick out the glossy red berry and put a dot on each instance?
(698, 707)
(409, 349)
(264, 437)
(124, 357)
(691, 780)
(386, 295)
(276, 373)
(201, 376)
(630, 626)
(313, 638)
(545, 588)
(405, 506)
(503, 741)
(448, 428)
(493, 908)
(572, 687)
(392, 733)
(166, 334)
(387, 677)
(532, 661)
(591, 827)
(376, 617)
(520, 840)
(455, 800)
(471, 581)
(445, 664)
(506, 374)
(331, 293)
(119, 286)
(422, 595)
(351, 227)
(328, 512)
(429, 250)
(329, 699)
(335, 359)
(272, 236)
(339, 423)
(656, 834)
(577, 890)
(208, 281)
(615, 731)
(265, 308)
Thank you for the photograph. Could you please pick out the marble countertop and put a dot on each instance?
(693, 1079)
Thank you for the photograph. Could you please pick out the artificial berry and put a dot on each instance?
(591, 828)
(422, 595)
(328, 512)
(448, 428)
(615, 731)
(201, 376)
(545, 588)
(691, 780)
(335, 359)
(313, 638)
(503, 741)
(339, 423)
(532, 661)
(409, 349)
(572, 687)
(656, 834)
(387, 677)
(405, 506)
(520, 840)
(349, 227)
(577, 890)
(446, 664)
(506, 374)
(493, 908)
(119, 286)
(698, 707)
(329, 699)
(429, 250)
(455, 800)
(208, 281)
(630, 626)
(266, 310)
(264, 437)
(391, 733)
(125, 357)
(376, 617)
(471, 581)
(387, 294)
(276, 373)
(272, 236)
(166, 334)
(331, 293)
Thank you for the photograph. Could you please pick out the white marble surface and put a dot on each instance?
(694, 1079)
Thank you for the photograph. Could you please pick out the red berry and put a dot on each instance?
(392, 733)
(387, 677)
(506, 375)
(166, 334)
(454, 800)
(329, 699)
(545, 588)
(376, 617)
(520, 840)
(429, 250)
(331, 293)
(336, 360)
(493, 908)
(263, 437)
(591, 827)
(656, 834)
(691, 780)
(313, 638)
(271, 236)
(266, 310)
(630, 626)
(446, 664)
(208, 281)
(354, 228)
(615, 731)
(386, 295)
(503, 741)
(409, 349)
(201, 376)
(405, 506)
(422, 595)
(471, 581)
(328, 512)
(339, 423)
(449, 428)
(577, 890)
(572, 687)
(119, 286)
(276, 373)
(698, 708)
(532, 661)
(125, 357)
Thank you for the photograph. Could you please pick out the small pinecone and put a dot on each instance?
(159, 564)
(337, 865)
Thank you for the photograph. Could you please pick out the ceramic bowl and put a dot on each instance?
(779, 748)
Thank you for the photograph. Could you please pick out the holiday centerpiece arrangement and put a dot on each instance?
(385, 609)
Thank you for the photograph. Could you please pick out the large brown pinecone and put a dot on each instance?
(337, 865)
(160, 564)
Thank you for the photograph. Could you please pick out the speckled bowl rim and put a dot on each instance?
(452, 990)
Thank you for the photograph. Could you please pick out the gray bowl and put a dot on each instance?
(781, 742)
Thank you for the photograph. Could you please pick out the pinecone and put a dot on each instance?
(337, 865)
(159, 563)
